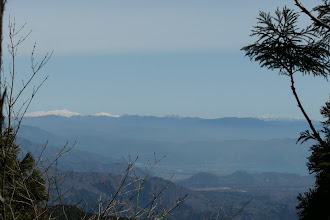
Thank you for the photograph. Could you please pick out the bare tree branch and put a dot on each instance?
(314, 18)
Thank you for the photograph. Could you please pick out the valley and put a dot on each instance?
(231, 160)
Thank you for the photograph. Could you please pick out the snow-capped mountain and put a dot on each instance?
(64, 113)
(106, 114)
(67, 113)
(269, 117)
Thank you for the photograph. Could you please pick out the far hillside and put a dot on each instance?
(190, 145)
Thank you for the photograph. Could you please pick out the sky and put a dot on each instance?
(156, 57)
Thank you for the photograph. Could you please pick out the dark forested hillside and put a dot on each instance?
(273, 194)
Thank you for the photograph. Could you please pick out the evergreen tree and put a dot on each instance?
(282, 45)
(316, 202)
(22, 189)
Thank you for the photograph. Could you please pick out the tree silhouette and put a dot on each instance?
(316, 202)
(22, 187)
(282, 45)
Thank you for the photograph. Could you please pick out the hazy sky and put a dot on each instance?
(157, 57)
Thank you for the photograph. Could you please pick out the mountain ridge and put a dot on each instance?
(68, 114)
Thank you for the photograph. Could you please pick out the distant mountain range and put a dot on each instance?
(68, 113)
(197, 150)
(191, 145)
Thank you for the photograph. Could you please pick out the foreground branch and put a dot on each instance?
(314, 18)
(315, 133)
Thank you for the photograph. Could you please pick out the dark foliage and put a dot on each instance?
(323, 12)
(316, 202)
(22, 189)
(284, 46)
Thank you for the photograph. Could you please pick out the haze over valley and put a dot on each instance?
(166, 109)
(221, 146)
(243, 158)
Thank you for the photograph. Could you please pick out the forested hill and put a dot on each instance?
(272, 199)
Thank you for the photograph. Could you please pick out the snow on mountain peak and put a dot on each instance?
(64, 113)
(106, 114)
(269, 117)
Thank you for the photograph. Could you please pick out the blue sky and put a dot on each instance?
(153, 57)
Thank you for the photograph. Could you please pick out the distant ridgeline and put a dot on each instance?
(221, 145)
(196, 150)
